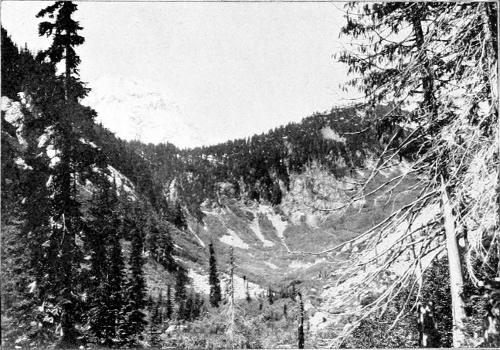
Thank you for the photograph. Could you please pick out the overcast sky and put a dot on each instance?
(231, 69)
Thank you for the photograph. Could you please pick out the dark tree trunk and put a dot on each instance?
(427, 77)
(300, 336)
(67, 66)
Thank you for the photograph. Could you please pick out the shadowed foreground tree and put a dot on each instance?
(135, 319)
(74, 164)
(213, 279)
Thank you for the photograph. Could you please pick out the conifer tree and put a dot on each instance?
(99, 317)
(150, 304)
(136, 292)
(165, 247)
(180, 284)
(189, 307)
(116, 282)
(168, 304)
(25, 257)
(180, 292)
(270, 295)
(64, 31)
(156, 320)
(70, 122)
(160, 306)
(300, 336)
(232, 266)
(213, 279)
(231, 327)
(12, 77)
(248, 298)
(198, 302)
(152, 242)
(32, 247)
(176, 216)
(294, 292)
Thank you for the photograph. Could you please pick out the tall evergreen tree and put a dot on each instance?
(136, 292)
(180, 284)
(99, 317)
(270, 295)
(213, 279)
(116, 280)
(189, 307)
(156, 319)
(300, 335)
(168, 304)
(247, 290)
(150, 304)
(165, 247)
(198, 305)
(232, 326)
(70, 122)
(64, 31)
(160, 304)
(180, 292)
(152, 242)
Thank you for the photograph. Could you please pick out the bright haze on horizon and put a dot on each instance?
(200, 73)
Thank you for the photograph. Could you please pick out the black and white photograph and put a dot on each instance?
(249, 175)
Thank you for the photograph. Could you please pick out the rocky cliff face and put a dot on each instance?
(272, 243)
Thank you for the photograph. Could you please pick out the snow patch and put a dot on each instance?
(22, 164)
(87, 142)
(320, 320)
(200, 282)
(32, 287)
(197, 237)
(278, 224)
(45, 137)
(255, 227)
(49, 182)
(295, 265)
(330, 134)
(53, 155)
(240, 287)
(271, 265)
(201, 285)
(280, 227)
(233, 239)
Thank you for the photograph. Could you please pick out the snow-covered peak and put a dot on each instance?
(141, 111)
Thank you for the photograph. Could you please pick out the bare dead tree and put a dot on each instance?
(447, 64)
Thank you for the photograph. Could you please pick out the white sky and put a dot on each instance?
(231, 69)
